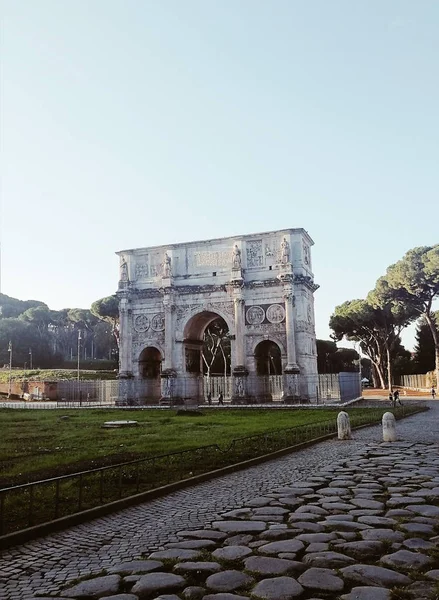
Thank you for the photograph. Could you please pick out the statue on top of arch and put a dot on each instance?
(284, 252)
(236, 258)
(166, 267)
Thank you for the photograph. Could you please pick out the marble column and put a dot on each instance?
(168, 374)
(125, 343)
(239, 333)
(292, 366)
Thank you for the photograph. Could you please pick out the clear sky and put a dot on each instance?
(128, 123)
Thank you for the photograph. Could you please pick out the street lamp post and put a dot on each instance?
(10, 369)
(79, 352)
(30, 358)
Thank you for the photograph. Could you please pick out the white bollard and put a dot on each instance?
(343, 426)
(389, 427)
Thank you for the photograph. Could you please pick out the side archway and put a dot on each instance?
(150, 366)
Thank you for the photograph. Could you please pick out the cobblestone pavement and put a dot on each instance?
(46, 565)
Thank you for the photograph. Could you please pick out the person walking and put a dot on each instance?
(433, 393)
(391, 399)
(396, 398)
(209, 398)
(220, 398)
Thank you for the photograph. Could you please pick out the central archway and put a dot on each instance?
(207, 357)
(150, 361)
(268, 360)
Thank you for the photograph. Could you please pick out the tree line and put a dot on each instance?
(405, 294)
(41, 337)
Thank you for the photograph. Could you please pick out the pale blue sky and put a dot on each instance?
(128, 123)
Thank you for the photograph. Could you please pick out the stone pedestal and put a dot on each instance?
(168, 386)
(240, 394)
(291, 394)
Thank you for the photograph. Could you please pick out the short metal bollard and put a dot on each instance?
(343, 426)
(389, 427)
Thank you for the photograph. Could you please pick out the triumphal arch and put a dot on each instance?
(259, 287)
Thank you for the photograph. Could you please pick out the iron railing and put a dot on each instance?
(22, 506)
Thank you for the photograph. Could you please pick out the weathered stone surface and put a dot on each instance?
(360, 549)
(95, 588)
(238, 540)
(324, 580)
(203, 534)
(367, 503)
(192, 544)
(202, 567)
(282, 546)
(265, 565)
(257, 502)
(422, 590)
(240, 526)
(311, 538)
(193, 592)
(417, 528)
(381, 535)
(175, 553)
(231, 553)
(396, 501)
(118, 597)
(156, 583)
(312, 508)
(328, 560)
(317, 547)
(228, 581)
(345, 526)
(406, 559)
(224, 596)
(377, 521)
(304, 517)
(278, 588)
(136, 566)
(334, 506)
(418, 544)
(367, 593)
(270, 510)
(372, 575)
(290, 501)
(434, 574)
(426, 510)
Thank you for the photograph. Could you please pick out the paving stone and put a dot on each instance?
(256, 502)
(418, 544)
(366, 503)
(309, 526)
(339, 517)
(238, 540)
(312, 508)
(360, 549)
(203, 534)
(345, 526)
(396, 501)
(265, 565)
(270, 510)
(372, 575)
(224, 596)
(304, 517)
(407, 559)
(381, 535)
(278, 588)
(427, 510)
(322, 580)
(399, 512)
(240, 526)
(154, 583)
(317, 547)
(327, 560)
(175, 554)
(136, 566)
(228, 581)
(231, 553)
(367, 593)
(118, 597)
(434, 574)
(130, 580)
(417, 528)
(167, 597)
(422, 590)
(202, 567)
(291, 546)
(192, 544)
(193, 592)
(312, 538)
(95, 588)
(342, 506)
(239, 513)
(377, 521)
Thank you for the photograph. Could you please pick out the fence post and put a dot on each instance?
(31, 505)
(56, 498)
(80, 493)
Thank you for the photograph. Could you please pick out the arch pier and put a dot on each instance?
(233, 316)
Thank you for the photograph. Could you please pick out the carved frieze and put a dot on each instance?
(304, 326)
(212, 258)
(158, 322)
(255, 255)
(141, 323)
(255, 315)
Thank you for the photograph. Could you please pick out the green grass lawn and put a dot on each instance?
(37, 444)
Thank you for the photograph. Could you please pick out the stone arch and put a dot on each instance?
(256, 340)
(268, 358)
(195, 319)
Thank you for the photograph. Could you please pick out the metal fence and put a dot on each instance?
(23, 506)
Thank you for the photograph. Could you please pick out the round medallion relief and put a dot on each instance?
(158, 322)
(255, 315)
(141, 323)
(276, 313)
